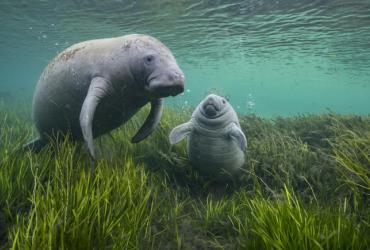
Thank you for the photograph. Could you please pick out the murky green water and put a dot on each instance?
(269, 57)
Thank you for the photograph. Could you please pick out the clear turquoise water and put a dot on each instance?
(269, 57)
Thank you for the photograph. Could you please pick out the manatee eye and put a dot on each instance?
(149, 59)
(223, 101)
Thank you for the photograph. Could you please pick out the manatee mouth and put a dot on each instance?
(164, 87)
(210, 110)
(163, 90)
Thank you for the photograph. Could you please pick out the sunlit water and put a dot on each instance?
(269, 57)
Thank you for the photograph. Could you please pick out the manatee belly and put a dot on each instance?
(63, 116)
(215, 154)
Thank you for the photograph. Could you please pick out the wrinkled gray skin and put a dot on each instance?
(215, 141)
(95, 86)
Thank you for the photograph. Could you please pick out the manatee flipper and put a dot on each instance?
(35, 145)
(99, 88)
(151, 121)
(238, 136)
(180, 132)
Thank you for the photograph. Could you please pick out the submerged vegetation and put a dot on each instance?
(305, 185)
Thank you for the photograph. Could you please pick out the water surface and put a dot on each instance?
(269, 57)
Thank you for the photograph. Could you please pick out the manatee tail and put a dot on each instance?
(35, 145)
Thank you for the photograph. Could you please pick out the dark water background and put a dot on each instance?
(269, 57)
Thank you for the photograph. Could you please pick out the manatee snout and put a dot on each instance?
(167, 83)
(211, 105)
(178, 79)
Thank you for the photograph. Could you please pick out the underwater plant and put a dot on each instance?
(304, 185)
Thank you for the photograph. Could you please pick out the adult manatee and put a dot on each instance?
(215, 141)
(95, 86)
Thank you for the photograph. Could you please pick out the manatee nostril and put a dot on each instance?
(176, 76)
(181, 76)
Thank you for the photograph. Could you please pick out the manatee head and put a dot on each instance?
(214, 106)
(214, 111)
(154, 67)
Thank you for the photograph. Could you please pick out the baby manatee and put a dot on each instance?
(215, 142)
(95, 86)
